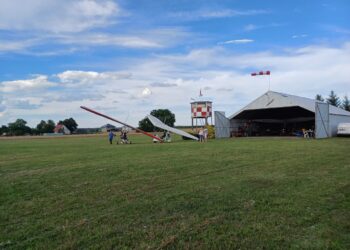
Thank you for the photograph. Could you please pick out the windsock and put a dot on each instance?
(261, 73)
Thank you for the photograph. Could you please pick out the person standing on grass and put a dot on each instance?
(201, 134)
(111, 136)
(154, 139)
(205, 134)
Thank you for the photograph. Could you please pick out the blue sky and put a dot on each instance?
(126, 58)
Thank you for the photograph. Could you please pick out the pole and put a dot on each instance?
(261, 73)
(123, 123)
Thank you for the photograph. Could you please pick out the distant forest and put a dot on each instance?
(19, 127)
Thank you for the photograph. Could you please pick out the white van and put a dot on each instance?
(343, 129)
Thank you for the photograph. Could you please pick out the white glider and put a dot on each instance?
(157, 123)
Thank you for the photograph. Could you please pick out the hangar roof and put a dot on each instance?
(272, 99)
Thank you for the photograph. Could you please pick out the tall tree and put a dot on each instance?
(146, 125)
(346, 103)
(4, 130)
(333, 99)
(41, 126)
(19, 127)
(45, 127)
(319, 98)
(50, 126)
(165, 115)
(70, 124)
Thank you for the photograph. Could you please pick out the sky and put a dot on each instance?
(126, 58)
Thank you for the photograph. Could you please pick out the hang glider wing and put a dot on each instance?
(123, 123)
(157, 123)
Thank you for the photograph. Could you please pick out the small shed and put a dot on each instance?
(61, 129)
(108, 127)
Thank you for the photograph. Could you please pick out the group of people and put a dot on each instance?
(123, 137)
(308, 133)
(203, 134)
(165, 137)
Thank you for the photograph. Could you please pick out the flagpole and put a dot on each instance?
(261, 73)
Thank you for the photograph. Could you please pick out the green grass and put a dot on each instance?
(239, 193)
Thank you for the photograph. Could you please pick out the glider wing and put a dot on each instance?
(123, 123)
(157, 123)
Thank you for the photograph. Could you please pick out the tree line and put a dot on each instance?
(19, 127)
(334, 100)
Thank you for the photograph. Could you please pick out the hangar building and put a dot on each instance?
(278, 114)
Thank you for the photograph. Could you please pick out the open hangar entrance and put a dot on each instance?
(278, 114)
(285, 121)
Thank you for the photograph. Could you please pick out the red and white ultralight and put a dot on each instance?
(123, 123)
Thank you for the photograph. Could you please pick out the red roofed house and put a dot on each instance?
(61, 129)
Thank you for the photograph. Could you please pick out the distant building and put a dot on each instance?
(61, 129)
(108, 127)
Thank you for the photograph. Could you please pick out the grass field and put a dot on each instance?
(238, 193)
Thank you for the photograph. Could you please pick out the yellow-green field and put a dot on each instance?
(226, 194)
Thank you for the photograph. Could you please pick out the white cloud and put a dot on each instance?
(15, 46)
(23, 104)
(225, 89)
(56, 16)
(250, 27)
(224, 75)
(67, 43)
(299, 36)
(305, 71)
(163, 84)
(337, 29)
(157, 38)
(128, 41)
(73, 96)
(2, 105)
(219, 13)
(39, 82)
(77, 77)
(238, 41)
(146, 92)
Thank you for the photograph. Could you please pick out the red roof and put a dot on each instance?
(58, 128)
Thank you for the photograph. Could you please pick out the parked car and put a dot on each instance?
(343, 129)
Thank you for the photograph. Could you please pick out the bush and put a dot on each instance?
(211, 131)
